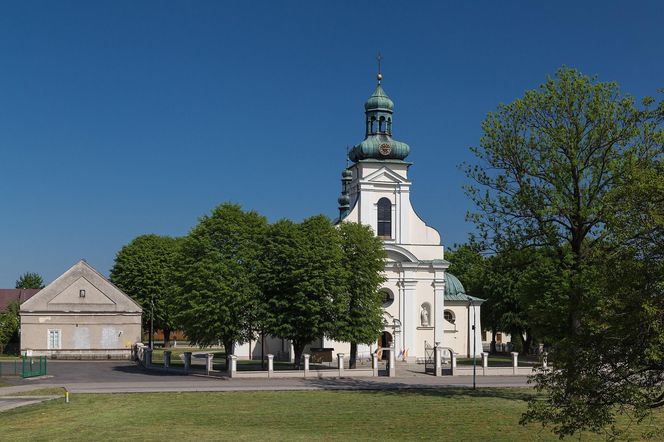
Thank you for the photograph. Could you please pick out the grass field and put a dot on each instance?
(446, 414)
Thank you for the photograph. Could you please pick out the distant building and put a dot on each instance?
(80, 315)
(7, 296)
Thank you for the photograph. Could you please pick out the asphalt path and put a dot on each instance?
(127, 377)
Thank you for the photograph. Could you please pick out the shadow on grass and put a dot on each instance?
(401, 389)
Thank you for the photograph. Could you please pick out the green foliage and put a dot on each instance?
(303, 280)
(558, 172)
(10, 324)
(143, 269)
(30, 280)
(217, 277)
(360, 311)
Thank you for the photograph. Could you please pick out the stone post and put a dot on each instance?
(438, 368)
(545, 360)
(454, 360)
(515, 361)
(485, 363)
(340, 363)
(209, 365)
(392, 372)
(148, 357)
(231, 361)
(374, 364)
(270, 366)
(306, 365)
(167, 359)
(187, 361)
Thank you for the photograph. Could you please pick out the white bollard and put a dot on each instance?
(231, 361)
(209, 364)
(438, 368)
(167, 359)
(545, 360)
(187, 361)
(340, 362)
(306, 365)
(374, 364)
(515, 361)
(454, 360)
(270, 366)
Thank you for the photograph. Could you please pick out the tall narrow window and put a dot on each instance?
(384, 218)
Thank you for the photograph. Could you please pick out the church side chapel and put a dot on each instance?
(424, 305)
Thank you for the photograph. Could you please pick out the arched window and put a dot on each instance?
(384, 218)
(449, 316)
(381, 124)
(373, 125)
(389, 126)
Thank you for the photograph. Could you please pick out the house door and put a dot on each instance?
(53, 339)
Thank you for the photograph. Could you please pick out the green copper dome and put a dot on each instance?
(378, 143)
(453, 287)
(379, 101)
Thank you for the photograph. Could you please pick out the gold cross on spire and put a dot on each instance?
(379, 58)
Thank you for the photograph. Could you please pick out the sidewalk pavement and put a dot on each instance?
(195, 383)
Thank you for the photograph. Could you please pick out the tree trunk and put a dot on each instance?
(353, 355)
(493, 349)
(526, 344)
(298, 349)
(229, 348)
(167, 337)
(262, 350)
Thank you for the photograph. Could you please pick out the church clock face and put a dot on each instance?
(385, 149)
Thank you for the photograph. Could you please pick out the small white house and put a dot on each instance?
(80, 315)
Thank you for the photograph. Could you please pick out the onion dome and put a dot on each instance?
(378, 143)
(379, 101)
(453, 286)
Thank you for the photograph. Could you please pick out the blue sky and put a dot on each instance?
(120, 118)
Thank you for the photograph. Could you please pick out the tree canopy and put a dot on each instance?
(217, 277)
(143, 269)
(304, 280)
(555, 172)
(360, 310)
(30, 280)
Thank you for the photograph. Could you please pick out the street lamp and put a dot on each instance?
(470, 304)
(152, 322)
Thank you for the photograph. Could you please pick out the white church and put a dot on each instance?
(424, 306)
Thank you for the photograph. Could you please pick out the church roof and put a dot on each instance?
(454, 290)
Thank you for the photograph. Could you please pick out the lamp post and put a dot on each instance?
(470, 304)
(152, 322)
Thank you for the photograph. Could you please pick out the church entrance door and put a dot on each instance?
(386, 341)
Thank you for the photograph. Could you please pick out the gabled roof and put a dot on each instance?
(7, 296)
(63, 294)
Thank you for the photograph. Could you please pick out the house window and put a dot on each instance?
(449, 316)
(81, 293)
(384, 218)
(53, 339)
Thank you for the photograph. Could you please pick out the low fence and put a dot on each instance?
(143, 355)
(26, 367)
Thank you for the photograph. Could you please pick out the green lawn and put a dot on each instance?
(446, 414)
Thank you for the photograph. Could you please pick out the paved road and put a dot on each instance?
(124, 376)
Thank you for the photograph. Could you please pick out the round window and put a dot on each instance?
(449, 316)
(388, 297)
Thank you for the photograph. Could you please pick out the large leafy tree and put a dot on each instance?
(217, 277)
(360, 317)
(9, 324)
(303, 281)
(548, 166)
(30, 280)
(144, 269)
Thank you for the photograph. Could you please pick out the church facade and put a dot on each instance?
(424, 305)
